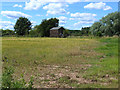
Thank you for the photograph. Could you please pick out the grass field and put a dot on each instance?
(64, 62)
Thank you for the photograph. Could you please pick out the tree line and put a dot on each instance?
(108, 25)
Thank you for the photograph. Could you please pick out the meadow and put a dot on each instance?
(84, 62)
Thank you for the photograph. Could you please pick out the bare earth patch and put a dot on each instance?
(56, 76)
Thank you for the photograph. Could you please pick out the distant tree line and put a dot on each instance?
(107, 26)
(7, 32)
(83, 32)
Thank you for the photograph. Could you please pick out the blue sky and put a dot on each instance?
(72, 15)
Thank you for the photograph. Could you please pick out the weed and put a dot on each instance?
(100, 53)
(52, 75)
(9, 82)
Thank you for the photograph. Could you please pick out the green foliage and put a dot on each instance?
(7, 77)
(9, 82)
(107, 26)
(22, 26)
(107, 64)
(43, 29)
(66, 33)
(31, 82)
(75, 32)
(83, 32)
(33, 33)
(7, 32)
(88, 63)
(66, 80)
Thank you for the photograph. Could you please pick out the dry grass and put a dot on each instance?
(51, 60)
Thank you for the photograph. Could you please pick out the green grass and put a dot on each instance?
(44, 50)
(92, 59)
(108, 62)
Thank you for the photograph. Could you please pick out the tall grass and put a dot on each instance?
(101, 54)
(107, 64)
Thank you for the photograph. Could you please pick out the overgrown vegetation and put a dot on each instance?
(9, 82)
(43, 30)
(85, 61)
(85, 31)
(106, 68)
(68, 62)
(107, 26)
(7, 32)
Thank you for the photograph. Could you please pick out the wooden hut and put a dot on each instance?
(56, 32)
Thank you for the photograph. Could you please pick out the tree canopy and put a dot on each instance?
(22, 26)
(7, 32)
(107, 26)
(43, 29)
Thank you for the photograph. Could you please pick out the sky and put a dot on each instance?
(72, 15)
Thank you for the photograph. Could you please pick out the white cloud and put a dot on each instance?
(68, 12)
(73, 1)
(83, 18)
(56, 8)
(80, 15)
(52, 6)
(34, 4)
(33, 22)
(14, 14)
(16, 5)
(101, 0)
(39, 15)
(6, 25)
(83, 22)
(86, 26)
(6, 22)
(107, 8)
(99, 5)
(62, 20)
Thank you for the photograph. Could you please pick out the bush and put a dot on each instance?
(66, 33)
(9, 82)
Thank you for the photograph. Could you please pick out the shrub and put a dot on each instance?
(9, 82)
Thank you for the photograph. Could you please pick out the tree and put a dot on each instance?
(75, 32)
(1, 30)
(95, 29)
(66, 33)
(7, 32)
(44, 28)
(22, 26)
(107, 26)
(33, 32)
(85, 31)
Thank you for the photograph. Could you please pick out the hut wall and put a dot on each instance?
(61, 30)
(53, 33)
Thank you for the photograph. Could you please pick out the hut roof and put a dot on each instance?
(54, 28)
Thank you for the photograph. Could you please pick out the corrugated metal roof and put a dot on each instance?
(55, 28)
